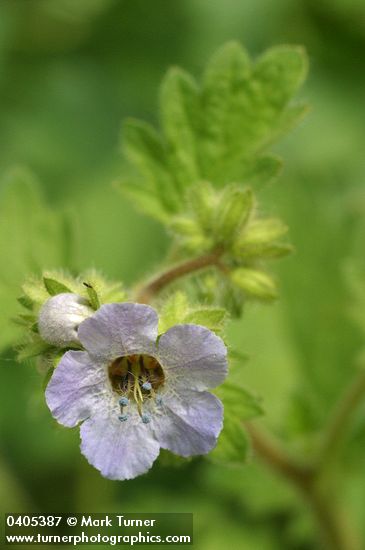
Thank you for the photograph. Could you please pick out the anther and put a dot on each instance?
(146, 418)
(123, 401)
(123, 417)
(147, 386)
(159, 401)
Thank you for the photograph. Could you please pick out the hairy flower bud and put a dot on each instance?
(60, 317)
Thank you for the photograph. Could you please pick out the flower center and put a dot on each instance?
(136, 377)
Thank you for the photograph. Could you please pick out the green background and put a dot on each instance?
(70, 71)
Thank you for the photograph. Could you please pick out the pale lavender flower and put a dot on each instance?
(135, 392)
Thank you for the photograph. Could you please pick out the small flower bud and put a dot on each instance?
(233, 212)
(256, 284)
(60, 317)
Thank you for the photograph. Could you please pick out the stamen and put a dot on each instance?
(146, 418)
(123, 401)
(136, 379)
(159, 400)
(123, 417)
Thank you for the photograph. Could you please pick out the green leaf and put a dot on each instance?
(261, 170)
(239, 402)
(32, 237)
(93, 296)
(173, 312)
(26, 302)
(254, 283)
(239, 406)
(37, 347)
(144, 148)
(25, 320)
(146, 200)
(277, 75)
(179, 107)
(246, 105)
(237, 356)
(216, 131)
(224, 82)
(212, 318)
(233, 446)
(290, 118)
(54, 287)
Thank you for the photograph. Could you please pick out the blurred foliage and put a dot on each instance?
(70, 72)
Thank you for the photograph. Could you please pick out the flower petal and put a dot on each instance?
(193, 356)
(77, 387)
(189, 423)
(120, 329)
(119, 450)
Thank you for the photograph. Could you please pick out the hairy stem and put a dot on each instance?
(273, 454)
(152, 288)
(340, 418)
(333, 529)
(334, 532)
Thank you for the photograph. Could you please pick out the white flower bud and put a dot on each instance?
(60, 317)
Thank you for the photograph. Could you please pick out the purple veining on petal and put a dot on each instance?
(195, 355)
(120, 450)
(76, 388)
(191, 423)
(120, 329)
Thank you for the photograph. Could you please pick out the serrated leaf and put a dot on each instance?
(224, 82)
(54, 287)
(212, 318)
(216, 131)
(281, 70)
(246, 104)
